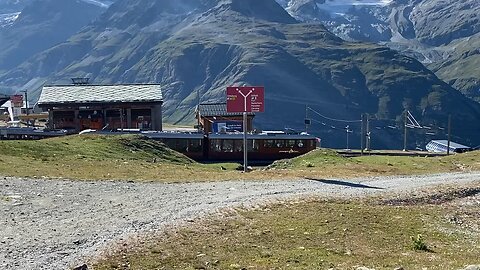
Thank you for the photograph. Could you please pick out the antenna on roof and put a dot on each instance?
(80, 81)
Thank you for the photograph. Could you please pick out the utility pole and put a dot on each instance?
(306, 119)
(362, 134)
(26, 106)
(405, 132)
(347, 128)
(368, 133)
(198, 110)
(449, 133)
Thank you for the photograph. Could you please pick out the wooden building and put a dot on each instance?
(214, 118)
(109, 107)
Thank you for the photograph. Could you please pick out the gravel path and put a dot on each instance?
(47, 224)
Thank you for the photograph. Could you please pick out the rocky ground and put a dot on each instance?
(51, 224)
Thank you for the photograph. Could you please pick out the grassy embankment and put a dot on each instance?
(91, 157)
(314, 234)
(135, 158)
(327, 163)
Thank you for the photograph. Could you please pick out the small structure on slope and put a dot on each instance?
(441, 146)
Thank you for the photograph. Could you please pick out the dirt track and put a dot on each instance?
(46, 224)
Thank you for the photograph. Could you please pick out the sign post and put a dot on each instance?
(245, 143)
(17, 104)
(246, 100)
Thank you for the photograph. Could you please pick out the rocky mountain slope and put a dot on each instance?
(199, 47)
(30, 27)
(442, 34)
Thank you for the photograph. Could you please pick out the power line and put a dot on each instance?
(333, 119)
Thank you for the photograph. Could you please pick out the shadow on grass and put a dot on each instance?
(342, 183)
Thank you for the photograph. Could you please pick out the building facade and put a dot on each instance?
(103, 107)
(214, 118)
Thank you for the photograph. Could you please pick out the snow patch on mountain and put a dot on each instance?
(103, 4)
(340, 7)
(337, 7)
(8, 19)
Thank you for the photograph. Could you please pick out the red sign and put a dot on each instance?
(246, 99)
(17, 100)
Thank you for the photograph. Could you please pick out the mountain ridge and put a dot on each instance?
(41, 25)
(204, 46)
(428, 30)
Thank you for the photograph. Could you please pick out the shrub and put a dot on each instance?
(419, 244)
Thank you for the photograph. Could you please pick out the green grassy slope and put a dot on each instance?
(93, 147)
(327, 163)
(460, 69)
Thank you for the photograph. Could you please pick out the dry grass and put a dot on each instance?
(313, 234)
(135, 158)
(328, 164)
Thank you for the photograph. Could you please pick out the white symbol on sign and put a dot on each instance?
(245, 97)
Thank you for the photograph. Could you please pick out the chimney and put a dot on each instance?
(80, 81)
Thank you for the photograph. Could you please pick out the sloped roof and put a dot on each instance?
(453, 145)
(87, 94)
(217, 109)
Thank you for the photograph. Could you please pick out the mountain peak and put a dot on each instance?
(268, 10)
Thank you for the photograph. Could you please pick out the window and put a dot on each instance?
(301, 143)
(182, 145)
(216, 145)
(227, 146)
(170, 143)
(255, 146)
(280, 143)
(269, 143)
(291, 143)
(141, 118)
(195, 146)
(238, 146)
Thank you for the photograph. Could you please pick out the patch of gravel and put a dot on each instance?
(453, 195)
(52, 224)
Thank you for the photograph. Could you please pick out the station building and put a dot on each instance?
(214, 118)
(83, 106)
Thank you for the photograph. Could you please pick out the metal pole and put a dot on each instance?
(26, 101)
(362, 135)
(347, 128)
(405, 132)
(121, 119)
(368, 132)
(348, 148)
(245, 150)
(306, 119)
(449, 133)
(26, 106)
(198, 110)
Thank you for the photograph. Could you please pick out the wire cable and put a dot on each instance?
(333, 119)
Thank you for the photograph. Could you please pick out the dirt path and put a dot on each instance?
(46, 224)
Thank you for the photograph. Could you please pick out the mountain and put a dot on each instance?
(10, 10)
(198, 47)
(40, 25)
(441, 34)
(460, 68)
(11, 6)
